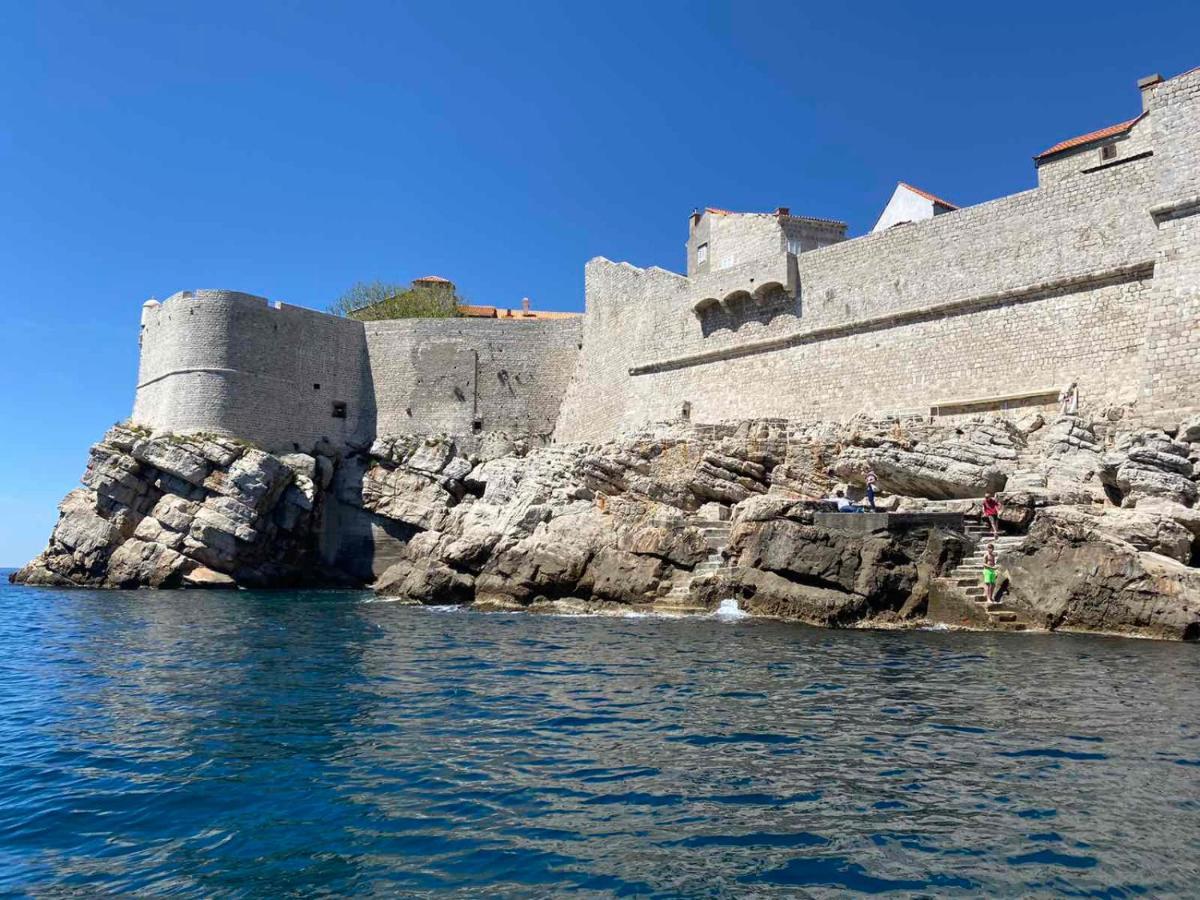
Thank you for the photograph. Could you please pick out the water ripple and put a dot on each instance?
(274, 744)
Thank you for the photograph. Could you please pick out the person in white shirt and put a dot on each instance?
(843, 504)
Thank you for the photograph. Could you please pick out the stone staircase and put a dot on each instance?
(677, 599)
(967, 578)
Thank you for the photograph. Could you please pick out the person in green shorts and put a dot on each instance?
(989, 573)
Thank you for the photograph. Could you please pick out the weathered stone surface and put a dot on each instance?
(1189, 431)
(1152, 532)
(160, 507)
(203, 577)
(947, 467)
(138, 563)
(405, 496)
(1073, 576)
(635, 521)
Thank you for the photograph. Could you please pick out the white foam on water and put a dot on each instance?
(729, 610)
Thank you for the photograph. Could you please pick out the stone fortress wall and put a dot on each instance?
(1092, 277)
(286, 377)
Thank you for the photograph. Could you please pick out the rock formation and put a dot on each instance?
(1108, 513)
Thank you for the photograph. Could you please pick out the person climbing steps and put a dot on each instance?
(989, 573)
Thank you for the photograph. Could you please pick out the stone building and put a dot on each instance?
(1092, 277)
(911, 204)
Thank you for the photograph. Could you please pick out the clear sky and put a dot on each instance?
(291, 149)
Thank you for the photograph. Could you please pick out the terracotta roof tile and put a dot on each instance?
(929, 196)
(477, 312)
(1111, 130)
(435, 279)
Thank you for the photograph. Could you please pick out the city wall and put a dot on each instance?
(1091, 278)
(286, 377)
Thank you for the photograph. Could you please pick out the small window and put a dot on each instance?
(702, 254)
(477, 426)
(685, 411)
(316, 387)
(1108, 151)
(339, 409)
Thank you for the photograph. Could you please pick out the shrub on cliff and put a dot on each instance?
(370, 301)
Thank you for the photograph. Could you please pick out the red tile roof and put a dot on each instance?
(435, 279)
(929, 196)
(477, 312)
(1111, 130)
(498, 312)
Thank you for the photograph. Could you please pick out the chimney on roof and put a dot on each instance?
(693, 220)
(783, 211)
(1146, 85)
(525, 304)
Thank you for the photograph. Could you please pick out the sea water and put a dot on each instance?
(267, 744)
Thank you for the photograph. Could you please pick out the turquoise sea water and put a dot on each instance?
(295, 744)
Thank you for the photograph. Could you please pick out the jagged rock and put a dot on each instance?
(1148, 464)
(1071, 575)
(668, 538)
(174, 457)
(1143, 530)
(255, 479)
(597, 527)
(138, 563)
(406, 497)
(625, 577)
(426, 581)
(301, 464)
(142, 525)
(203, 577)
(549, 563)
(946, 467)
(1189, 431)
(764, 593)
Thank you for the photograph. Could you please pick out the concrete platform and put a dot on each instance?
(866, 522)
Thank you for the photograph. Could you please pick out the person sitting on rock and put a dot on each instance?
(989, 573)
(991, 512)
(843, 504)
(871, 479)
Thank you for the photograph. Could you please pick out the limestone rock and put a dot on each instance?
(950, 466)
(1148, 464)
(157, 507)
(1072, 576)
(202, 577)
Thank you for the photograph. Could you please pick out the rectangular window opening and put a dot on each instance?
(1108, 151)
(339, 409)
(702, 254)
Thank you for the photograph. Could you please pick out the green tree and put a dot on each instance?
(370, 301)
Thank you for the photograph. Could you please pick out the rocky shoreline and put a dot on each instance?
(1100, 515)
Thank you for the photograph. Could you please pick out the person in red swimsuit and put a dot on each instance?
(991, 512)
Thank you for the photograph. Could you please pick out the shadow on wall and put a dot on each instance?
(742, 308)
(354, 540)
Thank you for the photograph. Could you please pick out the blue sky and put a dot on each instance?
(292, 149)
